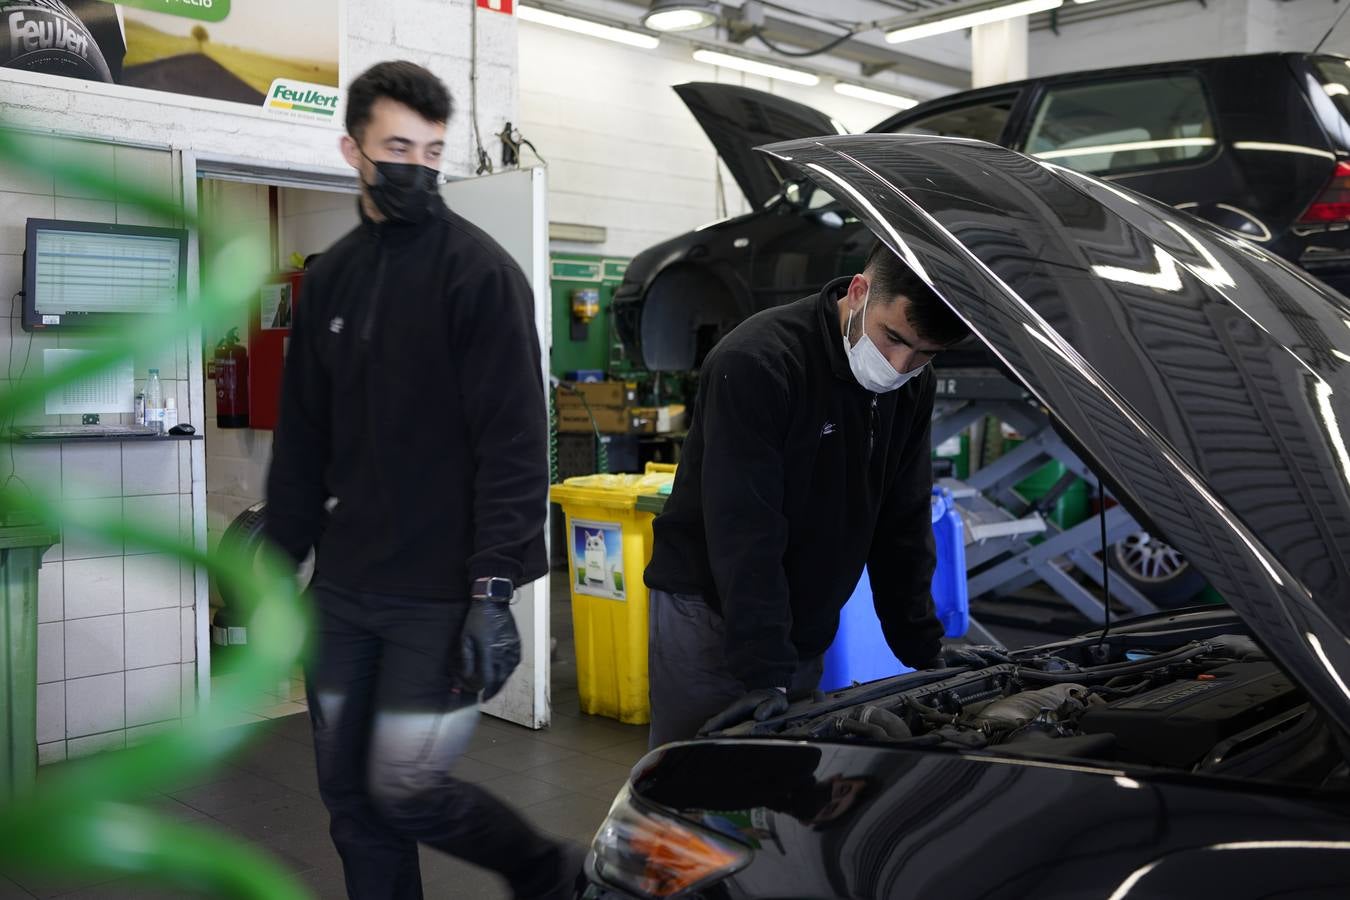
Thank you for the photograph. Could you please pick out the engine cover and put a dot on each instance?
(1178, 723)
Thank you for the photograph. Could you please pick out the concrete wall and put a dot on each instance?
(623, 150)
(434, 33)
(1184, 31)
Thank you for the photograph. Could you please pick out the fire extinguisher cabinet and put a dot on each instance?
(269, 331)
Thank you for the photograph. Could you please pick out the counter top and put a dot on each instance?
(22, 439)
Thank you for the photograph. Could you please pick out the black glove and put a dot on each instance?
(760, 704)
(491, 648)
(973, 656)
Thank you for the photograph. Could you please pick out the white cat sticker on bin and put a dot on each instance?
(595, 558)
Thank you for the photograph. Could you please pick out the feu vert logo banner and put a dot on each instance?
(311, 101)
(238, 51)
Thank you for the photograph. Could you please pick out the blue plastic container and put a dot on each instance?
(859, 653)
(587, 376)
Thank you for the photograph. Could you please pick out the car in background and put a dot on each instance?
(1196, 753)
(1259, 145)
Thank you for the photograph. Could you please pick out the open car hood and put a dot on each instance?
(1206, 381)
(738, 119)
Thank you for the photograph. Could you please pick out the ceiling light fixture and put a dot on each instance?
(873, 96)
(587, 27)
(754, 67)
(934, 25)
(680, 15)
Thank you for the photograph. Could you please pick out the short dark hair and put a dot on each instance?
(403, 82)
(891, 277)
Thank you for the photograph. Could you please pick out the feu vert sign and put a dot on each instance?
(205, 10)
(300, 99)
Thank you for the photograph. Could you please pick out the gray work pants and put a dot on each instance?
(689, 680)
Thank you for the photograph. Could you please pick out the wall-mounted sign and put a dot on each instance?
(501, 6)
(240, 51)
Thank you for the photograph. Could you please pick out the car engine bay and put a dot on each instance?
(1217, 705)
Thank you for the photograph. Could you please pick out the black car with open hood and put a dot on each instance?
(1195, 753)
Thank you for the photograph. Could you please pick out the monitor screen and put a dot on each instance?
(86, 274)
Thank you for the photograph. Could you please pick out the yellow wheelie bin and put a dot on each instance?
(609, 543)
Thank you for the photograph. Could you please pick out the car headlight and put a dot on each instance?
(654, 855)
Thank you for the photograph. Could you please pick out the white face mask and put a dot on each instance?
(869, 364)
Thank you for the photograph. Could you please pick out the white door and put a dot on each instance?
(512, 208)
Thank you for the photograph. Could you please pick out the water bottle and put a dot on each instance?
(154, 402)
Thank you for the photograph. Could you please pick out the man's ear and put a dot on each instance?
(350, 151)
(857, 291)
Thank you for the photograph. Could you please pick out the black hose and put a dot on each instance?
(1097, 673)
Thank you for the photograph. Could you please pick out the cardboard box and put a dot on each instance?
(608, 419)
(658, 419)
(614, 394)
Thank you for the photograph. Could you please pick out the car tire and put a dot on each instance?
(245, 535)
(1157, 570)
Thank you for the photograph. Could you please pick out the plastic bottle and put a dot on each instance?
(170, 414)
(154, 402)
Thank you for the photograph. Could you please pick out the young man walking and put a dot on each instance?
(413, 406)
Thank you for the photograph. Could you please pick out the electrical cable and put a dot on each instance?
(512, 140)
(1106, 563)
(601, 451)
(838, 23)
(799, 54)
(1334, 25)
(537, 155)
(552, 439)
(484, 161)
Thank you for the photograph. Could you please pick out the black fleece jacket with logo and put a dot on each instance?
(793, 478)
(413, 394)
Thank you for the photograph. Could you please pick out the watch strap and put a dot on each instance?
(495, 588)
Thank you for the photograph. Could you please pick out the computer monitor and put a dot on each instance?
(83, 275)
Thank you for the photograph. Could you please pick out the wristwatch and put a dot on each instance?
(501, 590)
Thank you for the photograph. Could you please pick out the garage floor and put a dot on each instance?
(561, 779)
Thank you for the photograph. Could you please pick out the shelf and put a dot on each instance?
(21, 440)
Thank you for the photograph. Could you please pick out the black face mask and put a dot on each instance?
(403, 192)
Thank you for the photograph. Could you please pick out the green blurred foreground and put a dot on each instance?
(83, 817)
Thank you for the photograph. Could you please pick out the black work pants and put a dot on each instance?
(389, 723)
(689, 681)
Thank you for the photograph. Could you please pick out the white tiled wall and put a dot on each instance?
(112, 653)
(117, 638)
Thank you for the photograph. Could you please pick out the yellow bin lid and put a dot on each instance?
(619, 492)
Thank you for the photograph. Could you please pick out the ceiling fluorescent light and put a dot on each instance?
(872, 96)
(961, 21)
(680, 15)
(754, 67)
(588, 28)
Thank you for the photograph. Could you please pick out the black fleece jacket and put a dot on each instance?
(413, 394)
(793, 478)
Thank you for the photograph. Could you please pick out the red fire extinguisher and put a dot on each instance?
(231, 382)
